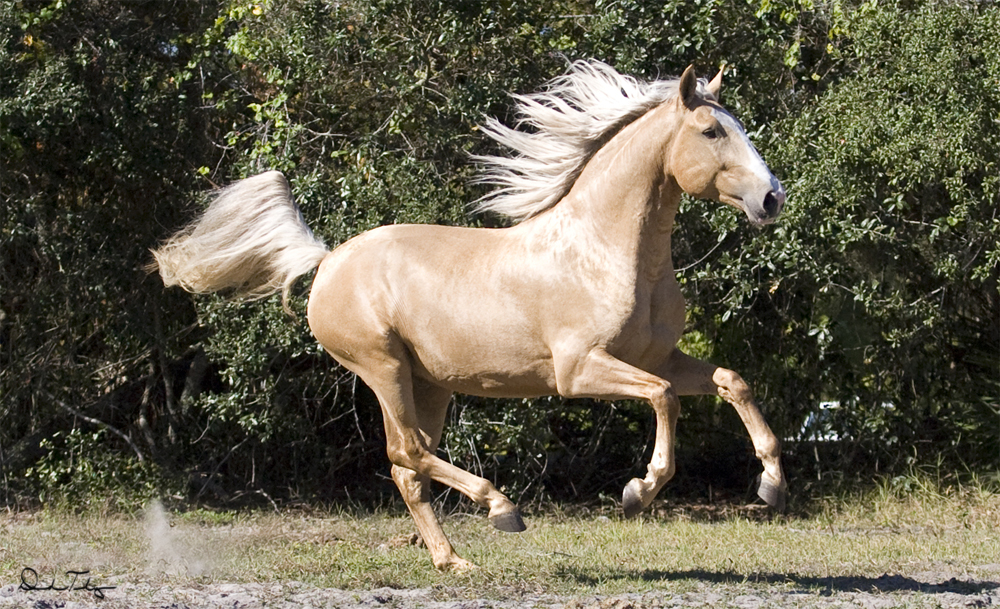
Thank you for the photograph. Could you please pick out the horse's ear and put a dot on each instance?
(687, 88)
(716, 85)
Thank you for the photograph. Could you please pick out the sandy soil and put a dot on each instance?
(935, 587)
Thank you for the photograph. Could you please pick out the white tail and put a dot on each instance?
(251, 239)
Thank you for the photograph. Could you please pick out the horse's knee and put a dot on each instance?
(732, 386)
(664, 399)
(728, 379)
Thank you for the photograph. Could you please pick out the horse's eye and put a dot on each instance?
(711, 133)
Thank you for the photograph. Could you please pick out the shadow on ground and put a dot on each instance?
(807, 583)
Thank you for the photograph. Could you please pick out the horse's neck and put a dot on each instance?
(623, 204)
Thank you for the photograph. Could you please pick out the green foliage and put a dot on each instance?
(877, 287)
(81, 472)
(893, 235)
(91, 114)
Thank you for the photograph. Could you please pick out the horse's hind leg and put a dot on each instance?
(695, 377)
(390, 376)
(431, 407)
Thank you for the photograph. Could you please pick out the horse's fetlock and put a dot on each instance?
(497, 501)
(667, 472)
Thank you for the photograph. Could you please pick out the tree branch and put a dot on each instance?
(99, 423)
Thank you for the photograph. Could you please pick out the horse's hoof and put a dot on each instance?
(631, 503)
(510, 522)
(772, 495)
(457, 565)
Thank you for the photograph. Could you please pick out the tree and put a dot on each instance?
(92, 112)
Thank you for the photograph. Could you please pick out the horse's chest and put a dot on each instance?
(651, 328)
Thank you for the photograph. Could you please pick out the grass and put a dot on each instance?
(854, 542)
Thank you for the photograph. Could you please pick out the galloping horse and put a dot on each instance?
(577, 298)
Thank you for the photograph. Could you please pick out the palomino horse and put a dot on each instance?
(578, 298)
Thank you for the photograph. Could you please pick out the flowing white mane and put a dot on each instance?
(569, 121)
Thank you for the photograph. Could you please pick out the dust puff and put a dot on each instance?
(173, 550)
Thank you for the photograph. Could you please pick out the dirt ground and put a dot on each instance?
(939, 586)
(953, 564)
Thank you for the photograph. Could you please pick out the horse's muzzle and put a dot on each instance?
(765, 210)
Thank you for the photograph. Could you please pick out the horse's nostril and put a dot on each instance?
(772, 204)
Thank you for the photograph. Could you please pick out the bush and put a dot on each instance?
(878, 286)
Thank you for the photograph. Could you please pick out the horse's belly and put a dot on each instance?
(484, 363)
(528, 384)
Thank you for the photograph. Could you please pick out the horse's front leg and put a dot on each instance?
(600, 375)
(691, 376)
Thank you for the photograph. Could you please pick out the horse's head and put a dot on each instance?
(712, 157)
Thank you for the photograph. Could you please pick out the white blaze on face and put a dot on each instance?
(752, 159)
